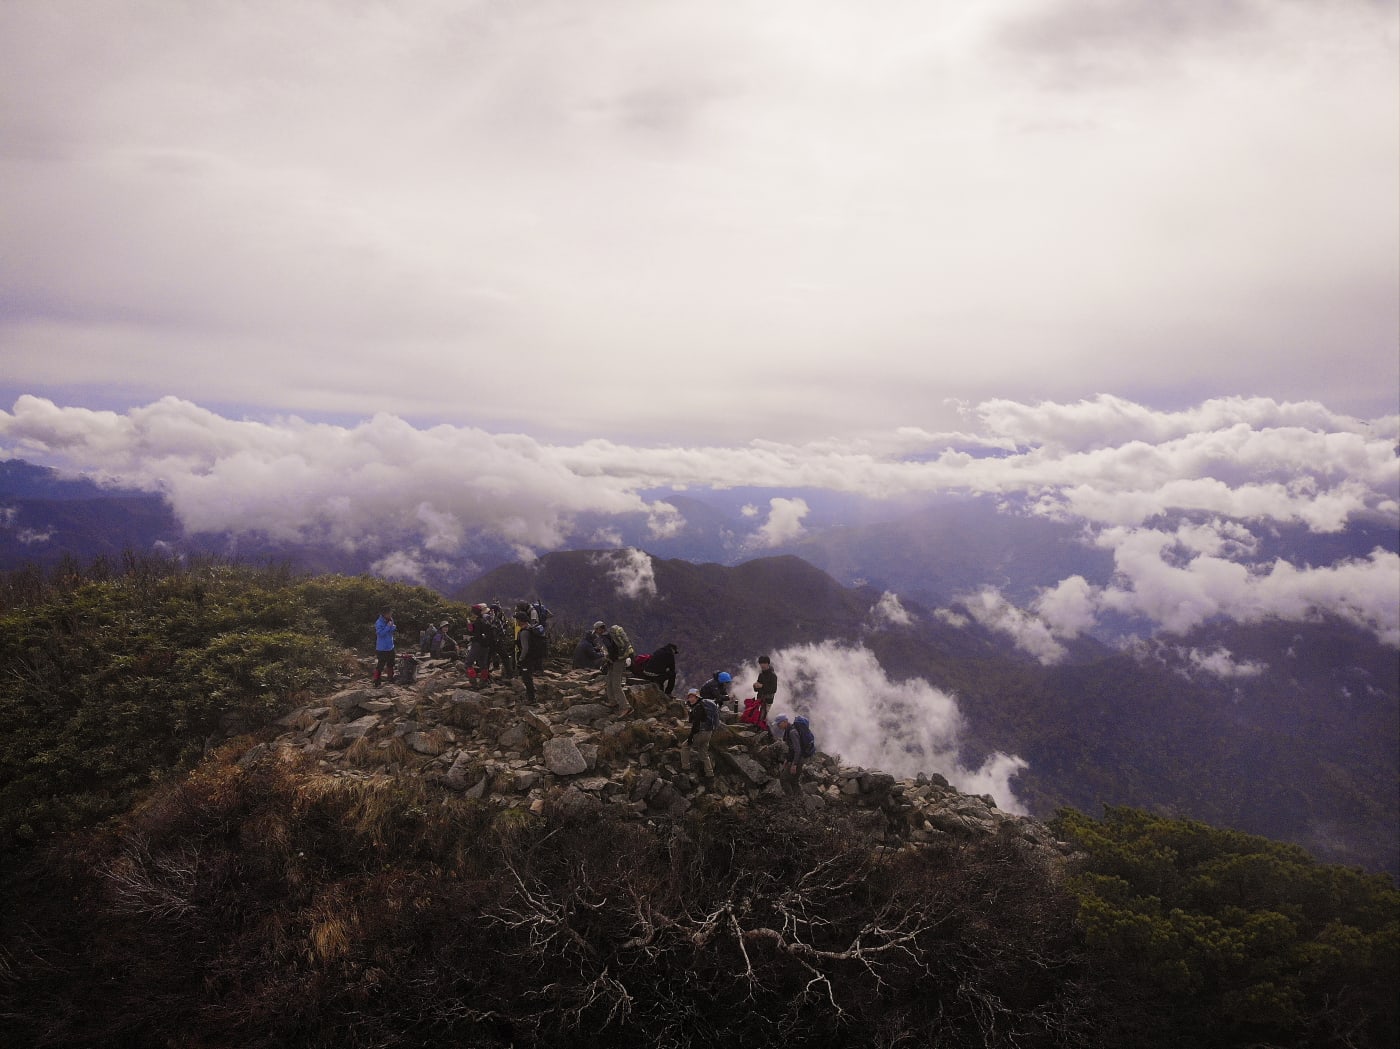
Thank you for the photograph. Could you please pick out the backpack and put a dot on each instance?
(408, 670)
(805, 737)
(622, 641)
(539, 644)
(711, 714)
(536, 611)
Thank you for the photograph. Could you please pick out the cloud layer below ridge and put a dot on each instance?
(1181, 499)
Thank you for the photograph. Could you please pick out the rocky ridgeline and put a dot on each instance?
(573, 751)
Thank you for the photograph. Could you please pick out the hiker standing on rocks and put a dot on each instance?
(478, 646)
(766, 687)
(529, 645)
(704, 719)
(620, 652)
(384, 644)
(795, 736)
(500, 640)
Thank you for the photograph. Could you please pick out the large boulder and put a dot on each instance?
(562, 757)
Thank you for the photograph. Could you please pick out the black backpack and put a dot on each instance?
(408, 670)
(539, 645)
(711, 713)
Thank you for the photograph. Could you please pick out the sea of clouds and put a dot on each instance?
(1182, 499)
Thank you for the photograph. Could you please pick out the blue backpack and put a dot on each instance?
(804, 735)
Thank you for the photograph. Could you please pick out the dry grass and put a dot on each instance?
(368, 753)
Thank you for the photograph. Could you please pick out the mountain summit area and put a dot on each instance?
(217, 832)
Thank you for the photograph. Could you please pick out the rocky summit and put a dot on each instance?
(572, 751)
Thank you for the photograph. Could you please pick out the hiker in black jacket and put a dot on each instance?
(717, 690)
(531, 648)
(766, 687)
(659, 668)
(704, 718)
(588, 653)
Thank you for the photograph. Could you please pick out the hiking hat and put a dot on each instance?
(600, 625)
(782, 719)
(724, 677)
(692, 692)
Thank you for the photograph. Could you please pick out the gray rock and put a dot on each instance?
(359, 727)
(750, 769)
(351, 698)
(516, 737)
(431, 742)
(586, 713)
(562, 757)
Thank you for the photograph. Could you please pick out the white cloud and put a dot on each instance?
(784, 524)
(630, 570)
(664, 521)
(1068, 609)
(1180, 593)
(1182, 510)
(1029, 633)
(1220, 662)
(888, 611)
(902, 727)
(402, 565)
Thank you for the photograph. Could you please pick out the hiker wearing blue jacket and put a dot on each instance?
(384, 629)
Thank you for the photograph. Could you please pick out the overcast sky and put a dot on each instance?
(656, 221)
(531, 260)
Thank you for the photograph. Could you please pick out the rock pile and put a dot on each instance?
(573, 751)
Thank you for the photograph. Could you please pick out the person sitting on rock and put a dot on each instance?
(446, 645)
(588, 653)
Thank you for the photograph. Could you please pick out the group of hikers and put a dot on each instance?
(517, 645)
